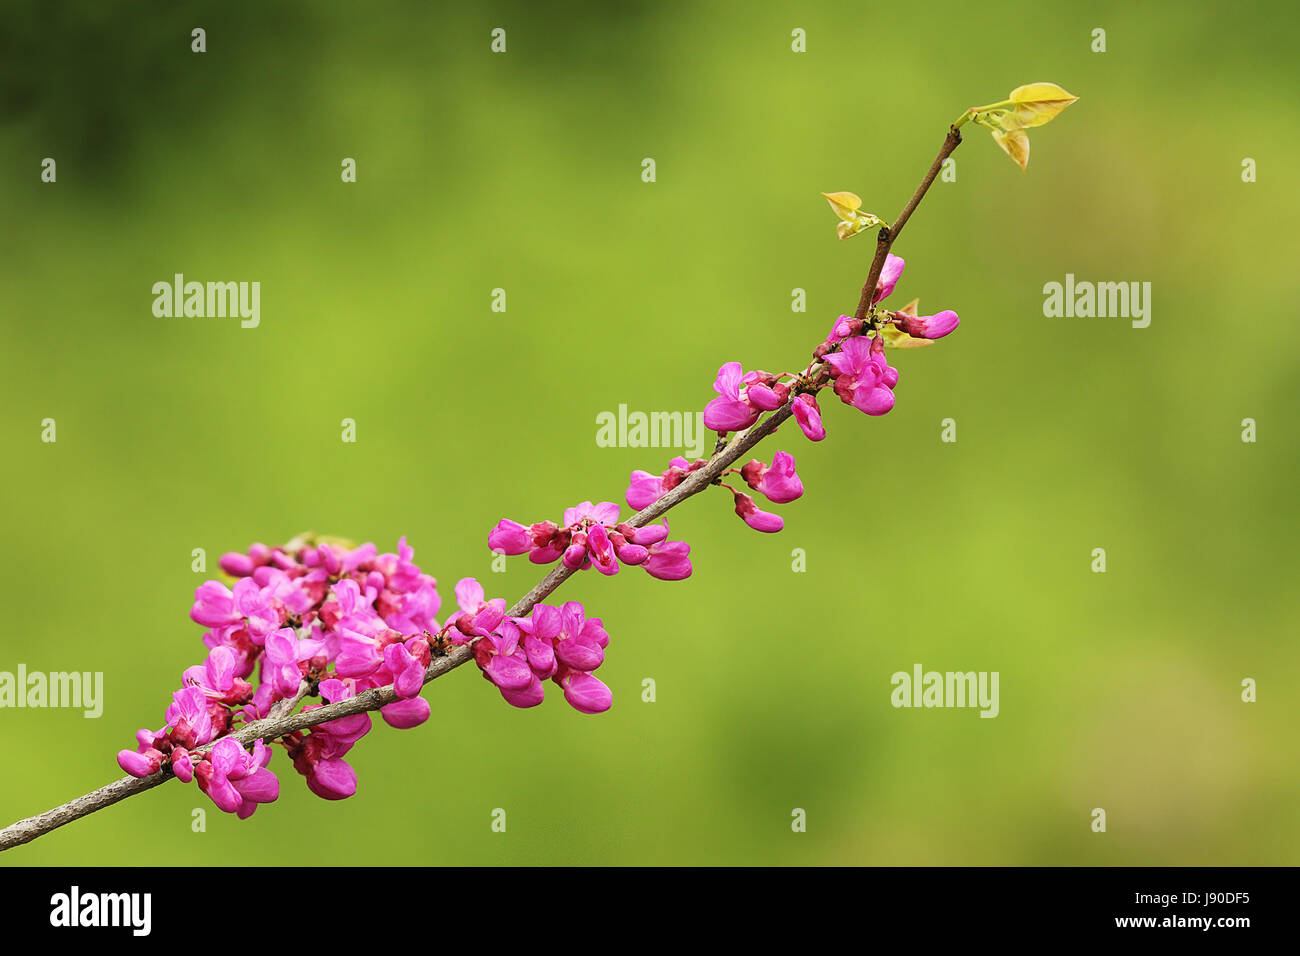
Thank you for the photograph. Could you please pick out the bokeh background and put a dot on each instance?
(522, 171)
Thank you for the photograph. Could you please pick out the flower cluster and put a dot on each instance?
(592, 536)
(309, 618)
(560, 643)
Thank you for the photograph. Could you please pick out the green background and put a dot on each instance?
(522, 171)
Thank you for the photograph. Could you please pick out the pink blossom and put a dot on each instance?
(284, 652)
(601, 549)
(216, 677)
(236, 780)
(214, 605)
(863, 378)
(779, 483)
(406, 669)
(575, 639)
(644, 488)
(668, 560)
(182, 765)
(844, 326)
(405, 714)
(927, 326)
(729, 412)
(510, 537)
(809, 416)
(189, 718)
(478, 617)
(140, 763)
(585, 692)
(604, 513)
(889, 276)
(754, 516)
(502, 660)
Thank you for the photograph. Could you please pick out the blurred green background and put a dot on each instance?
(522, 171)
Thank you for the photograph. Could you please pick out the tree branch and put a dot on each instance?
(888, 235)
(281, 721)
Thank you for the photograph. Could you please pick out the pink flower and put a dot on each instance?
(863, 378)
(502, 660)
(140, 763)
(328, 776)
(214, 605)
(627, 552)
(809, 416)
(284, 652)
(530, 696)
(216, 677)
(764, 392)
(601, 549)
(510, 537)
(668, 560)
(844, 326)
(478, 617)
(405, 714)
(189, 718)
(182, 765)
(604, 513)
(889, 276)
(585, 692)
(779, 483)
(577, 641)
(241, 565)
(927, 326)
(407, 670)
(540, 651)
(236, 780)
(344, 731)
(754, 516)
(729, 412)
(644, 488)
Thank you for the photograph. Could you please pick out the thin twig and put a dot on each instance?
(888, 235)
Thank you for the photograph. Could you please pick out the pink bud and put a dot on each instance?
(587, 694)
(927, 326)
(764, 398)
(236, 564)
(510, 537)
(755, 517)
(809, 416)
(139, 764)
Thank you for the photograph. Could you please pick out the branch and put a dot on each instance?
(281, 722)
(888, 235)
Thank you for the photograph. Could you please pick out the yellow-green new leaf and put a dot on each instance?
(1038, 103)
(846, 205)
(1015, 143)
